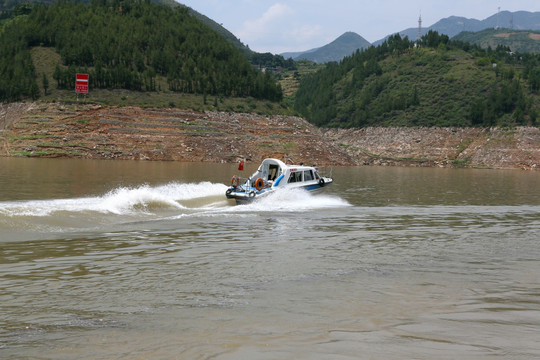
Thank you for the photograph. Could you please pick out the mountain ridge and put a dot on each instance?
(453, 25)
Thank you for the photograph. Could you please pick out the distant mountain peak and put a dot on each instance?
(344, 45)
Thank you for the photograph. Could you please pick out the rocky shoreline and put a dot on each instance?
(130, 133)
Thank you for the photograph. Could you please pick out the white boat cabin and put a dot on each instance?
(276, 173)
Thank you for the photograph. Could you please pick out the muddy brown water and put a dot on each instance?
(148, 260)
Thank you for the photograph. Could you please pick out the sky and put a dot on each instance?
(279, 26)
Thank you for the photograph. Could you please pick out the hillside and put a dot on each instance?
(441, 83)
(343, 46)
(8, 5)
(9, 8)
(219, 29)
(130, 44)
(522, 41)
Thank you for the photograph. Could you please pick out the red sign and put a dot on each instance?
(81, 83)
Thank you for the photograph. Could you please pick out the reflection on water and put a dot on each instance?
(103, 260)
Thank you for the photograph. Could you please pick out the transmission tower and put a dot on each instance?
(419, 36)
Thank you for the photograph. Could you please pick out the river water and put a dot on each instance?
(147, 260)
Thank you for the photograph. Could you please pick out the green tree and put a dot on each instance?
(45, 83)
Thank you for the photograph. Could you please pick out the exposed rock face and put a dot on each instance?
(479, 147)
(56, 130)
(12, 112)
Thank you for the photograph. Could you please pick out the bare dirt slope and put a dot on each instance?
(160, 134)
(97, 132)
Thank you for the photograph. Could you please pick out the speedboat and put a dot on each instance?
(273, 175)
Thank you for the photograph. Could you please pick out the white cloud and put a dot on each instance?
(253, 30)
(281, 28)
(306, 33)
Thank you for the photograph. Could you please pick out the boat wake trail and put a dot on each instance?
(132, 208)
(120, 201)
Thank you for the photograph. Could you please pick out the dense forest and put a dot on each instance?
(125, 44)
(437, 82)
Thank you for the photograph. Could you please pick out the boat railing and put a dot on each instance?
(325, 171)
(237, 181)
(247, 184)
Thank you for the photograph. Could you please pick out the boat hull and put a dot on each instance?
(244, 195)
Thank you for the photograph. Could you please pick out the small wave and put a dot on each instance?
(125, 200)
(294, 200)
(284, 200)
